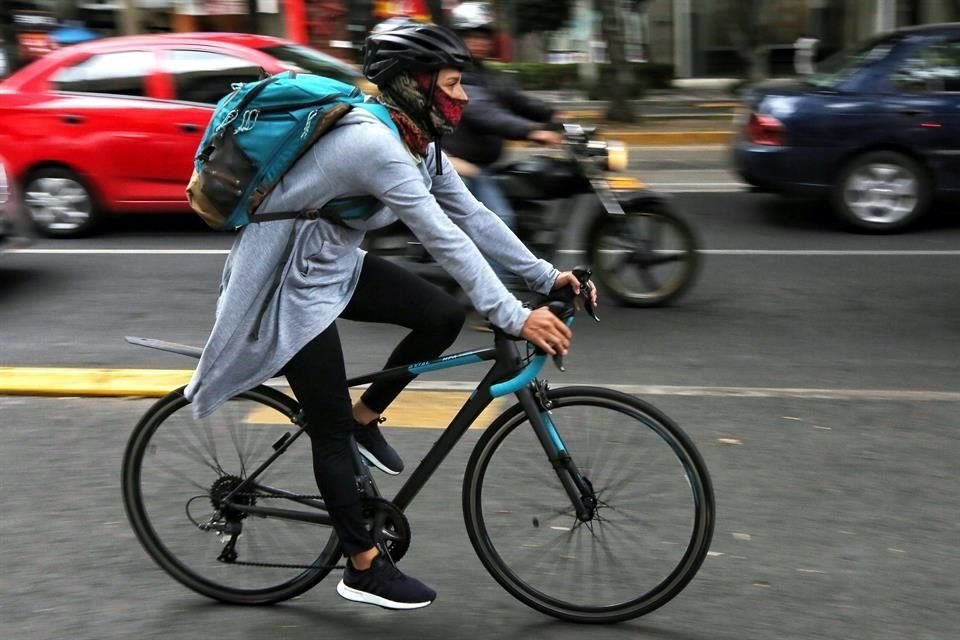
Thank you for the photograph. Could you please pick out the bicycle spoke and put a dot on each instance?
(276, 558)
(617, 556)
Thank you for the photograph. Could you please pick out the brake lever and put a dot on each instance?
(564, 312)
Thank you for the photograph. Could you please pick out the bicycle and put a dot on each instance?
(594, 535)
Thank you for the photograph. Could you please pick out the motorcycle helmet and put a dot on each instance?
(472, 16)
(412, 48)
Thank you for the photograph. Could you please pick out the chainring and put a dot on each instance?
(390, 528)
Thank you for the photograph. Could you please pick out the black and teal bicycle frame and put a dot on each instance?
(508, 375)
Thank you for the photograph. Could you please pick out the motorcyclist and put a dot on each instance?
(497, 111)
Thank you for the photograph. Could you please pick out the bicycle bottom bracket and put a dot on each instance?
(390, 528)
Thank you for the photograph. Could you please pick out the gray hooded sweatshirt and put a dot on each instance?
(270, 308)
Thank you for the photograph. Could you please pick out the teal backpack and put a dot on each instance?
(257, 133)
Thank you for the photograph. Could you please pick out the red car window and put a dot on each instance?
(206, 76)
(120, 73)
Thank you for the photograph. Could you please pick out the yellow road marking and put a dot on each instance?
(417, 408)
(414, 408)
(52, 381)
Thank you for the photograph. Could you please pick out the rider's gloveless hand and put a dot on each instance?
(568, 278)
(547, 331)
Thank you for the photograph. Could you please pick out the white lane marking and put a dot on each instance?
(831, 252)
(127, 252)
(712, 252)
(811, 252)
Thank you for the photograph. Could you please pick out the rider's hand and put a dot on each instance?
(567, 278)
(547, 331)
(542, 136)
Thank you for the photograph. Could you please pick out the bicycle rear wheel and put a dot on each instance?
(176, 472)
(651, 529)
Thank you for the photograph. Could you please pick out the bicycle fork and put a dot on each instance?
(537, 405)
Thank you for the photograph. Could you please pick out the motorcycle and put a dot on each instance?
(642, 253)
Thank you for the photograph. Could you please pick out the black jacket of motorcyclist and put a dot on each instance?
(497, 110)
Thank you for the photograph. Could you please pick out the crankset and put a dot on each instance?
(390, 528)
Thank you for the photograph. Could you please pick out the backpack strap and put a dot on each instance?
(335, 211)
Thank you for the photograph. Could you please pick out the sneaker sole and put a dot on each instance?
(354, 595)
(373, 459)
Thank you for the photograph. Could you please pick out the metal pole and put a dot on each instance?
(886, 15)
(682, 39)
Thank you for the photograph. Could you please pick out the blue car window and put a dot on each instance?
(933, 69)
(840, 66)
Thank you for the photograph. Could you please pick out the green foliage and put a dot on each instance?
(536, 16)
(535, 76)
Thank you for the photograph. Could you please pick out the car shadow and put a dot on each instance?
(812, 214)
(15, 280)
(798, 213)
(152, 222)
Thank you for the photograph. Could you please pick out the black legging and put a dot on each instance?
(386, 294)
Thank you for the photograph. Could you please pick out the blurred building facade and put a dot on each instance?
(699, 38)
(710, 37)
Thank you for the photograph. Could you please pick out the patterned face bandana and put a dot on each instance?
(406, 96)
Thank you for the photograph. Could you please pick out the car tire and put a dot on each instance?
(59, 204)
(881, 192)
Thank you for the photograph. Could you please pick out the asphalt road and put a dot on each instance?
(815, 369)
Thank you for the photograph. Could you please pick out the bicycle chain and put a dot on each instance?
(278, 565)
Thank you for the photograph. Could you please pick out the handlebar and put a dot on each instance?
(564, 304)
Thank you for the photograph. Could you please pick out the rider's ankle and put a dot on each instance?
(363, 560)
(363, 414)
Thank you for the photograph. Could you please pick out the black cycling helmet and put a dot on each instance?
(412, 48)
(472, 16)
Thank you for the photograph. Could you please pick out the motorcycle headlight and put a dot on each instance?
(617, 156)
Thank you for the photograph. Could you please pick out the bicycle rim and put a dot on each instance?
(644, 259)
(176, 466)
(651, 531)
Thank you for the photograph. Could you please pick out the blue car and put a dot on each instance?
(876, 129)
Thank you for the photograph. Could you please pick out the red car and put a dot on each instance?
(112, 126)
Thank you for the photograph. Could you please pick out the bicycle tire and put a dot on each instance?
(627, 272)
(491, 520)
(158, 531)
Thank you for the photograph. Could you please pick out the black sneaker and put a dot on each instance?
(376, 449)
(385, 586)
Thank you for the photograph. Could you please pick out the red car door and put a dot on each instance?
(103, 111)
(193, 80)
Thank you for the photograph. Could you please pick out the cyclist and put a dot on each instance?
(497, 111)
(272, 320)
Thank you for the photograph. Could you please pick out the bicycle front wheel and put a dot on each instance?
(177, 473)
(650, 530)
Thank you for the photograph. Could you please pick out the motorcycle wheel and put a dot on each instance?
(644, 258)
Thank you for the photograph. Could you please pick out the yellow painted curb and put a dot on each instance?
(419, 408)
(52, 381)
